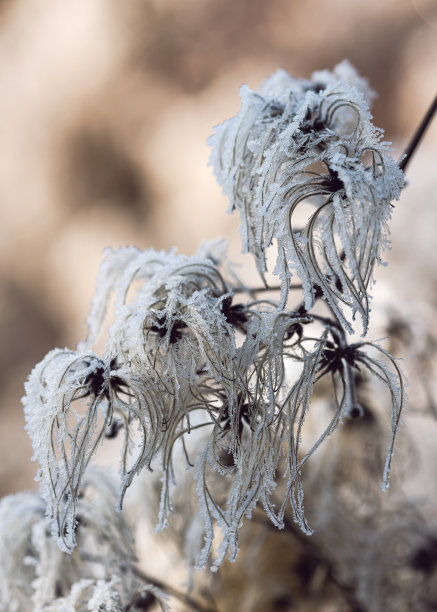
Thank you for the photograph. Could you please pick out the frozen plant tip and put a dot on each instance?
(298, 141)
(200, 368)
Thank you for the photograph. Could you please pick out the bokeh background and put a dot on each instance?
(104, 112)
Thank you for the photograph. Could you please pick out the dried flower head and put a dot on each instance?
(259, 450)
(300, 142)
(73, 401)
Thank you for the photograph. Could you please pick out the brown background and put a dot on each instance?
(104, 111)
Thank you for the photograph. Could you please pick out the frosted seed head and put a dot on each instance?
(298, 144)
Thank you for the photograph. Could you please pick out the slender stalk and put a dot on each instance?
(417, 137)
(183, 597)
(262, 289)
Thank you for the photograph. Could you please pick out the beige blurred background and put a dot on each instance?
(104, 111)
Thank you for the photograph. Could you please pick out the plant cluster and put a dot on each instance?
(200, 366)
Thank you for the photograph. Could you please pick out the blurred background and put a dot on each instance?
(104, 112)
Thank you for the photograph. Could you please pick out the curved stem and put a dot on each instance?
(417, 137)
(183, 597)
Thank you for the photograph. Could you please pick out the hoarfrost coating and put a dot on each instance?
(298, 140)
(181, 371)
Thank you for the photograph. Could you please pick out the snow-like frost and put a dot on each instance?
(36, 576)
(72, 399)
(312, 141)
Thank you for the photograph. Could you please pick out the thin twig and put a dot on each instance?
(169, 590)
(262, 289)
(418, 135)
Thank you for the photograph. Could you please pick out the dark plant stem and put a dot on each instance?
(412, 146)
(262, 289)
(169, 590)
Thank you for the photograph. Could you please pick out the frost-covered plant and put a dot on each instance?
(174, 362)
(201, 369)
(35, 575)
(298, 140)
